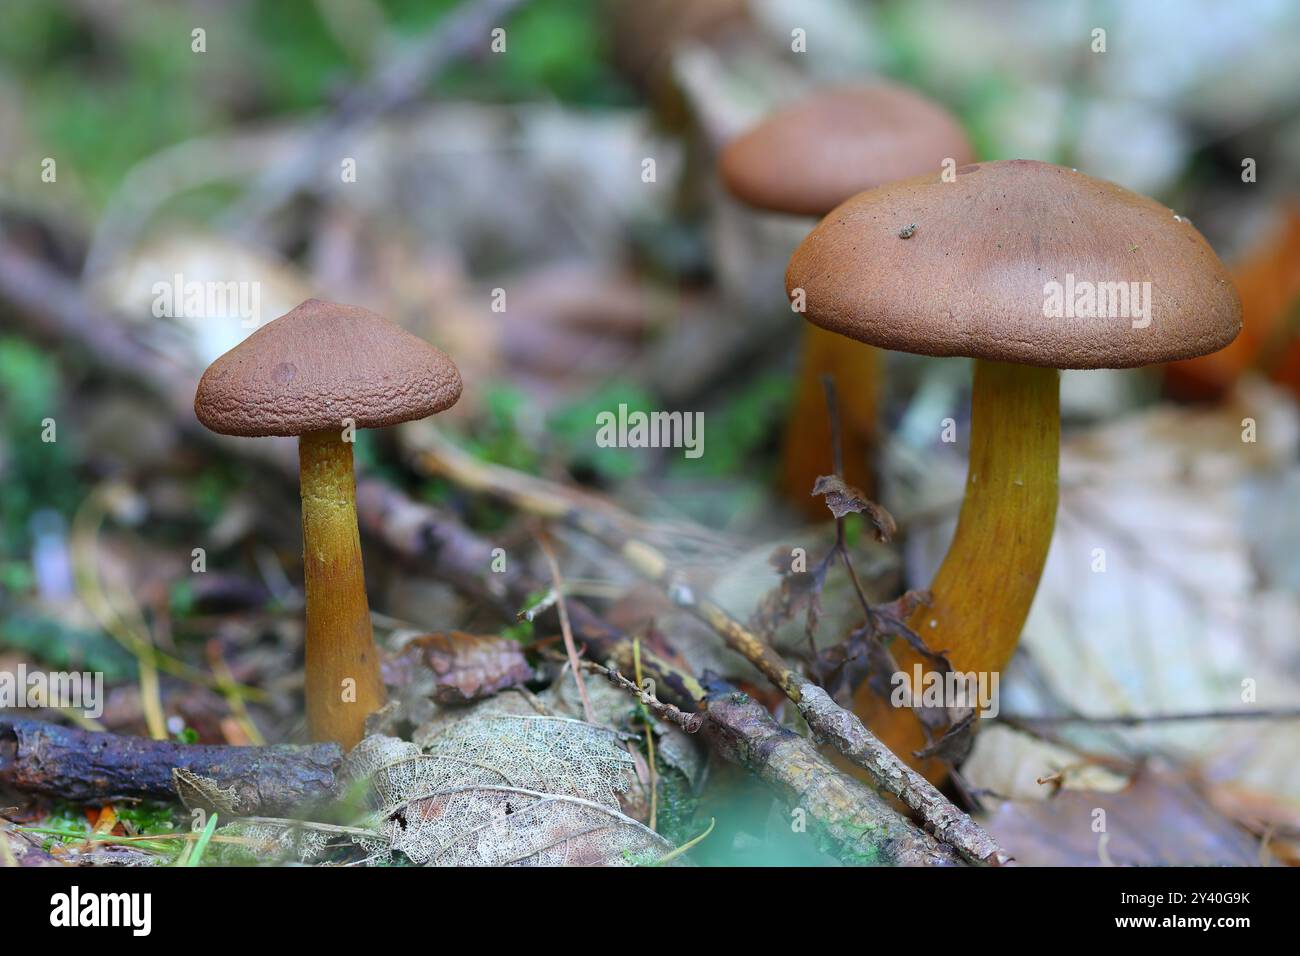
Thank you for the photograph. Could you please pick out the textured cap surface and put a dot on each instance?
(1017, 261)
(319, 364)
(810, 156)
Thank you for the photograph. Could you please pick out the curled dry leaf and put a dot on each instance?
(203, 793)
(954, 744)
(842, 498)
(470, 667)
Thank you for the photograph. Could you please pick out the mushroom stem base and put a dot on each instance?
(343, 685)
(982, 593)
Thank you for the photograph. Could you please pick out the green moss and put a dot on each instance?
(676, 816)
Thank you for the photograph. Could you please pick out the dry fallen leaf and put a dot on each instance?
(503, 784)
(469, 667)
(842, 498)
(1158, 820)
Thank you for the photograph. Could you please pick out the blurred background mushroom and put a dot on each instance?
(805, 160)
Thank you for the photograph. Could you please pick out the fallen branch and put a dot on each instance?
(842, 728)
(88, 767)
(854, 817)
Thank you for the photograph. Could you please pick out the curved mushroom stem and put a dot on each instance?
(343, 685)
(806, 450)
(982, 592)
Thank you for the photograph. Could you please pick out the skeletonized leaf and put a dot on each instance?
(498, 787)
(276, 839)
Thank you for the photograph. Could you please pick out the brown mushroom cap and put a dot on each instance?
(810, 156)
(319, 364)
(971, 277)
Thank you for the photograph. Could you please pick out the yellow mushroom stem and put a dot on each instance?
(343, 685)
(806, 452)
(982, 592)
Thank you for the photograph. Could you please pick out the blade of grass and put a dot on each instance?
(197, 855)
(669, 857)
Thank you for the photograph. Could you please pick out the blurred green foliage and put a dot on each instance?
(753, 829)
(109, 89)
(574, 426)
(736, 432)
(151, 817)
(36, 473)
(62, 647)
(501, 435)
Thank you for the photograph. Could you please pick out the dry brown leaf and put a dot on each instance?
(470, 667)
(842, 499)
(1158, 820)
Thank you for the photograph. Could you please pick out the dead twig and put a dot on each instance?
(88, 767)
(548, 552)
(850, 813)
(1139, 720)
(690, 723)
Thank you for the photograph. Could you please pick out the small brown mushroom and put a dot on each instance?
(1001, 269)
(806, 159)
(318, 372)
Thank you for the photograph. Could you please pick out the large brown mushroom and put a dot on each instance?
(806, 159)
(319, 372)
(1009, 264)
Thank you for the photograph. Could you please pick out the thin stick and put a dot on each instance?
(649, 735)
(401, 79)
(562, 606)
(1137, 720)
(687, 722)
